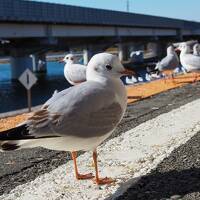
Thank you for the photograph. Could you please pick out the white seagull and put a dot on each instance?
(74, 73)
(196, 49)
(77, 118)
(190, 62)
(169, 63)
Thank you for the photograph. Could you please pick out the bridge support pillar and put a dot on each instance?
(19, 64)
(156, 48)
(122, 52)
(136, 47)
(39, 64)
(89, 52)
(162, 49)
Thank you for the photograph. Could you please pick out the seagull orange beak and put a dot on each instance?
(177, 49)
(127, 72)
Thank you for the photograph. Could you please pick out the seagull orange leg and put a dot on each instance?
(79, 176)
(100, 181)
(195, 78)
(172, 77)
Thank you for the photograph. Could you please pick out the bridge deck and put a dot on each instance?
(39, 12)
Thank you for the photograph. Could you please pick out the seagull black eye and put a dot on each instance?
(67, 57)
(109, 67)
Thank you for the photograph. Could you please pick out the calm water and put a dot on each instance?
(13, 94)
(53, 69)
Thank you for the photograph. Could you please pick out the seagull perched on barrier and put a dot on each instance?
(190, 62)
(168, 63)
(74, 73)
(78, 118)
(196, 49)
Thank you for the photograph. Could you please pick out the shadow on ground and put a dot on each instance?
(164, 185)
(176, 177)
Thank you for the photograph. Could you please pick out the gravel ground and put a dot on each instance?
(22, 166)
(176, 177)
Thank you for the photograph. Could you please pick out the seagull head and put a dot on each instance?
(170, 49)
(196, 47)
(106, 65)
(68, 58)
(184, 47)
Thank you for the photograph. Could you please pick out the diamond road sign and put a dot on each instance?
(28, 79)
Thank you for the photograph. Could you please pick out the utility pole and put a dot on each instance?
(127, 5)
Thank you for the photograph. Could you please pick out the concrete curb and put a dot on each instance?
(17, 112)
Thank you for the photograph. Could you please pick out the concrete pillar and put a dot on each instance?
(159, 48)
(39, 63)
(89, 52)
(136, 47)
(179, 34)
(163, 49)
(19, 64)
(151, 47)
(122, 52)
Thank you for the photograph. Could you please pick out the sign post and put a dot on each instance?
(28, 79)
(29, 99)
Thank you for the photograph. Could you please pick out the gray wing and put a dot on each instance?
(86, 110)
(77, 73)
(169, 62)
(56, 96)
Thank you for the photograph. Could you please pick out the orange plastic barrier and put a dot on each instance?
(135, 93)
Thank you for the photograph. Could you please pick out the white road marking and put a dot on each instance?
(126, 157)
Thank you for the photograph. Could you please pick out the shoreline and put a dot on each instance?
(49, 57)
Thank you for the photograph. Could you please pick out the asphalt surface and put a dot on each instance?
(22, 166)
(176, 177)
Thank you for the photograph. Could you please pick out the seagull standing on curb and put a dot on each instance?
(77, 118)
(190, 62)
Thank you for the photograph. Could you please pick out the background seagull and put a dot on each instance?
(168, 63)
(190, 62)
(74, 73)
(196, 49)
(77, 118)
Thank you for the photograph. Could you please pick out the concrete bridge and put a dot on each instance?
(35, 28)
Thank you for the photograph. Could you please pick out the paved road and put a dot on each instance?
(22, 166)
(176, 177)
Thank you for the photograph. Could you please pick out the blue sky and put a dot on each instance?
(182, 9)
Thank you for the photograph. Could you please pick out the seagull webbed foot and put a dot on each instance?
(84, 176)
(102, 181)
